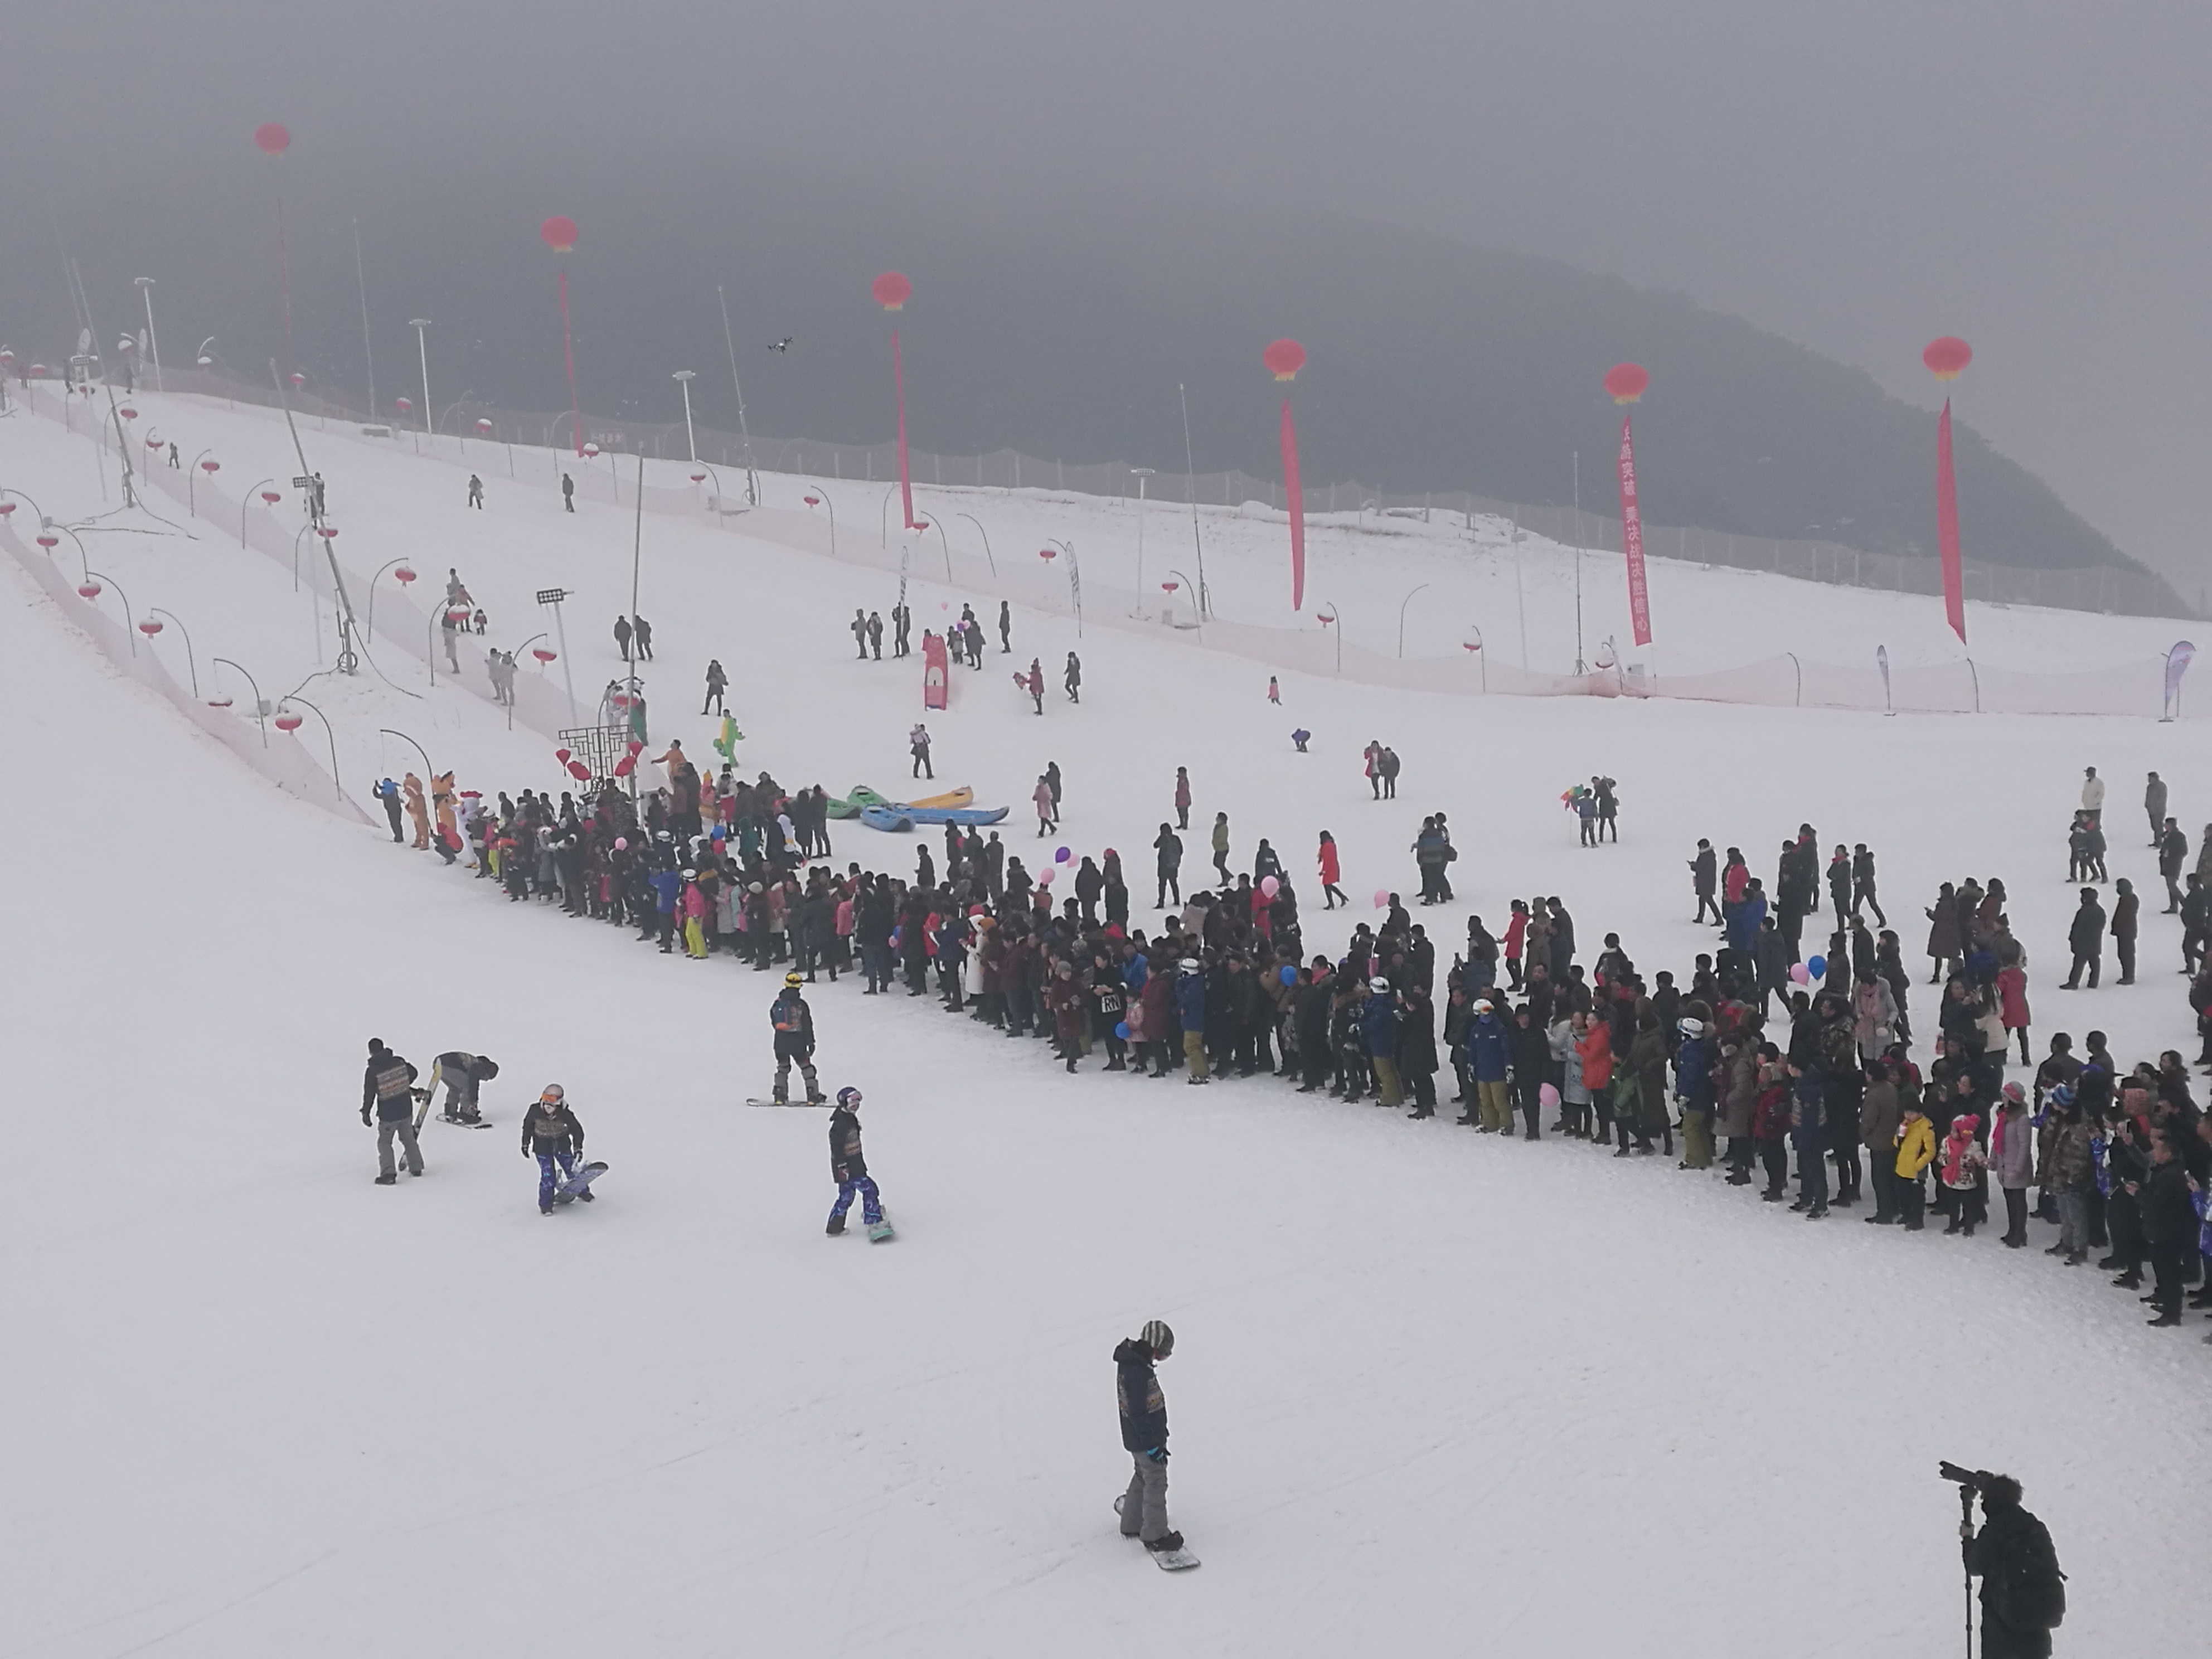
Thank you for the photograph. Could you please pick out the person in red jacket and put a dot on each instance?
(1330, 874)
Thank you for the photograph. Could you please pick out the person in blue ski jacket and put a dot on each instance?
(667, 885)
(1744, 921)
(1693, 1080)
(1190, 1014)
(1379, 1036)
(1487, 1056)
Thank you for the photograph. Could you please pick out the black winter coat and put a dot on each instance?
(1137, 1391)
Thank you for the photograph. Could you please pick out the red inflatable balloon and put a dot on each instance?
(1625, 382)
(1284, 359)
(272, 138)
(559, 232)
(1947, 358)
(892, 290)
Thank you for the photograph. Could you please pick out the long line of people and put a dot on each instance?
(1760, 1058)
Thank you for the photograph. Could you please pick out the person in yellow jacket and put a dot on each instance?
(1916, 1150)
(418, 810)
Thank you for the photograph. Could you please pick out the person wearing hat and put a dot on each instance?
(386, 1088)
(848, 1165)
(1144, 1507)
(552, 1133)
(793, 1023)
(2012, 1155)
(1487, 1056)
(1379, 1036)
(1693, 1081)
(1190, 1014)
(2086, 939)
(2023, 1593)
(463, 1074)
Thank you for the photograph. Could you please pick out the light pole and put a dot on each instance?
(1579, 668)
(553, 596)
(245, 501)
(93, 580)
(1521, 604)
(429, 770)
(924, 524)
(1334, 622)
(260, 712)
(1480, 657)
(422, 326)
(191, 663)
(1143, 476)
(729, 340)
(146, 288)
(985, 534)
(1407, 600)
(81, 560)
(821, 498)
(683, 377)
(373, 581)
(1074, 580)
(191, 485)
(304, 529)
(327, 732)
(885, 531)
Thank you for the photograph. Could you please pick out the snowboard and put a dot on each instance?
(1173, 1560)
(749, 1101)
(880, 1231)
(465, 1123)
(421, 1107)
(577, 1184)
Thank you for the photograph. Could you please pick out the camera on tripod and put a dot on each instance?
(1973, 1480)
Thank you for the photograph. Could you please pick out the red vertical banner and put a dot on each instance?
(1294, 492)
(1631, 538)
(559, 234)
(1947, 528)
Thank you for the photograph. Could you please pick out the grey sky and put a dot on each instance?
(1857, 175)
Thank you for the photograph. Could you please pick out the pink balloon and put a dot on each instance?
(1045, 876)
(1382, 898)
(1800, 974)
(1270, 886)
(622, 843)
(1547, 1096)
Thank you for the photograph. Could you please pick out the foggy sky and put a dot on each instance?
(1857, 176)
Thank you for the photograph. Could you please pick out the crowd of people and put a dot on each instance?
(1765, 1065)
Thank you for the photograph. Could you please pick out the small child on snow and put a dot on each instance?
(1916, 1150)
(1966, 1173)
(849, 1165)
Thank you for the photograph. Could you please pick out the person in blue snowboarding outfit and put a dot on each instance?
(848, 1164)
(551, 1131)
(1144, 1507)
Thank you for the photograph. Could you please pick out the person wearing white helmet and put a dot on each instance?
(552, 1133)
(1693, 1081)
(848, 1164)
(1378, 1036)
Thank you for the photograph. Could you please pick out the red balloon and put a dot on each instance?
(272, 138)
(1947, 358)
(892, 290)
(1625, 382)
(1284, 359)
(559, 232)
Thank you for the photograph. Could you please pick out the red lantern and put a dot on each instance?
(814, 501)
(625, 766)
(38, 371)
(578, 771)
(327, 532)
(88, 590)
(290, 722)
(591, 451)
(1284, 359)
(153, 443)
(150, 628)
(7, 360)
(892, 290)
(402, 404)
(6, 507)
(1325, 620)
(1047, 552)
(559, 232)
(272, 497)
(543, 654)
(218, 702)
(636, 747)
(620, 700)
(127, 413)
(403, 575)
(1625, 382)
(484, 422)
(272, 138)
(50, 542)
(1169, 587)
(298, 378)
(563, 755)
(922, 524)
(698, 477)
(210, 466)
(1947, 358)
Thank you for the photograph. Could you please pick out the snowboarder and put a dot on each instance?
(463, 1074)
(717, 682)
(917, 743)
(568, 494)
(848, 1166)
(1144, 1507)
(387, 1089)
(1073, 677)
(551, 1133)
(476, 492)
(794, 1040)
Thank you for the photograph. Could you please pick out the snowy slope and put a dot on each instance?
(1431, 1389)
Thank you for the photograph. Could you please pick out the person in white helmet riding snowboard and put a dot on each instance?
(1144, 1507)
(848, 1164)
(552, 1133)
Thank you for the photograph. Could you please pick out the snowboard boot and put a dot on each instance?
(545, 1209)
(1165, 1544)
(836, 1226)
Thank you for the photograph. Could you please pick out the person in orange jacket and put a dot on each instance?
(418, 810)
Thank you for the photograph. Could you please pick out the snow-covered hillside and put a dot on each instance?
(1432, 1390)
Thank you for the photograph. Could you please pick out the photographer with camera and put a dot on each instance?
(2023, 1591)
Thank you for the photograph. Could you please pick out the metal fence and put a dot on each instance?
(2102, 588)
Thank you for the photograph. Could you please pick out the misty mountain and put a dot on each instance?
(1059, 327)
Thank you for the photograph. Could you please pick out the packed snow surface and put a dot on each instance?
(1432, 1391)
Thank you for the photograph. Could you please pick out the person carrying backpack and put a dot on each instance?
(2023, 1592)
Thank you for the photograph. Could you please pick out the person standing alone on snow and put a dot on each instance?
(2093, 794)
(1074, 677)
(552, 1134)
(386, 1088)
(568, 494)
(1182, 798)
(476, 492)
(1144, 1507)
(848, 1166)
(793, 1022)
(917, 743)
(717, 682)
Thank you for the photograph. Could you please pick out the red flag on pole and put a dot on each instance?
(1947, 528)
(1631, 538)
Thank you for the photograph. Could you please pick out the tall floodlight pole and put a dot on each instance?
(683, 377)
(421, 325)
(1579, 667)
(146, 287)
(1143, 476)
(730, 341)
(368, 348)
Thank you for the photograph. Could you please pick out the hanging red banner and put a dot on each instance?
(1947, 528)
(1631, 538)
(1294, 492)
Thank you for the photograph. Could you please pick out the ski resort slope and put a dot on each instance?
(1431, 1390)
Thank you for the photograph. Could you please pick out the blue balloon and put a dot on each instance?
(1816, 966)
(1122, 1030)
(1287, 974)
